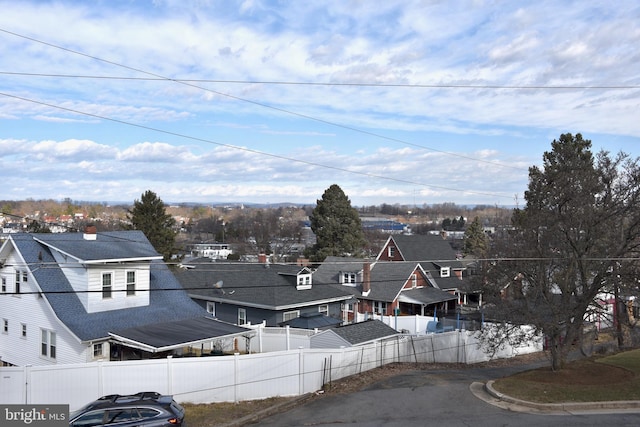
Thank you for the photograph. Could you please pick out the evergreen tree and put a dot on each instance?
(336, 225)
(149, 216)
(475, 240)
(576, 237)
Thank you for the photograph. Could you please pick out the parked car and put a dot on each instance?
(148, 409)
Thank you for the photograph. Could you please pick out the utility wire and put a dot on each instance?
(282, 110)
(348, 84)
(249, 150)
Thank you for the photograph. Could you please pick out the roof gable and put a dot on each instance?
(167, 299)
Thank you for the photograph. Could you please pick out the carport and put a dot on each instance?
(169, 337)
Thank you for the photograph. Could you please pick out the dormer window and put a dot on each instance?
(348, 278)
(445, 271)
(391, 251)
(303, 281)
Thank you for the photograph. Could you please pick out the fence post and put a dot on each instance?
(301, 371)
(286, 329)
(169, 374)
(27, 384)
(235, 377)
(100, 379)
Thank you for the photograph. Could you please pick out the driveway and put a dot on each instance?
(432, 397)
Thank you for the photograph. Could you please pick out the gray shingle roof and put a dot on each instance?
(362, 332)
(426, 249)
(271, 286)
(167, 300)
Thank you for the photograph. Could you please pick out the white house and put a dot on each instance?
(80, 297)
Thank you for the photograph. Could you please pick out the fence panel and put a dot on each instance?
(237, 377)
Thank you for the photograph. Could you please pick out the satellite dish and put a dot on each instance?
(218, 285)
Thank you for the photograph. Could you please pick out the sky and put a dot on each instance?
(221, 101)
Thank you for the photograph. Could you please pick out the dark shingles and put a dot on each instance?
(167, 299)
(362, 332)
(270, 286)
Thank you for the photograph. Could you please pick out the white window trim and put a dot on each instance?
(445, 271)
(211, 308)
(102, 276)
(242, 316)
(130, 292)
(47, 337)
(290, 315)
(324, 309)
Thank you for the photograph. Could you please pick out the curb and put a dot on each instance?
(281, 407)
(619, 405)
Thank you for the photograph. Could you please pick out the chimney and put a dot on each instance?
(366, 278)
(90, 232)
(262, 258)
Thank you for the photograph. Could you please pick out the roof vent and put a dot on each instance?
(90, 232)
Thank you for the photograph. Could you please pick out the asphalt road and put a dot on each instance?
(432, 397)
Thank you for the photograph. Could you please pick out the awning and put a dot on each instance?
(425, 296)
(160, 337)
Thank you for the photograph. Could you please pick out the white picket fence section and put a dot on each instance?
(236, 377)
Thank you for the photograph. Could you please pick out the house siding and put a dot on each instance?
(119, 298)
(32, 310)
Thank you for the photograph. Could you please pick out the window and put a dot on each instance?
(90, 419)
(24, 276)
(131, 283)
(324, 309)
(391, 251)
(24, 330)
(289, 315)
(242, 316)
(445, 272)
(380, 307)
(17, 289)
(4, 284)
(97, 350)
(106, 285)
(414, 280)
(48, 344)
(211, 307)
(5, 326)
(348, 277)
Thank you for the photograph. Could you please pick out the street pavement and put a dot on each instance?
(452, 397)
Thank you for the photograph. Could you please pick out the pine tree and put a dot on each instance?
(149, 216)
(337, 226)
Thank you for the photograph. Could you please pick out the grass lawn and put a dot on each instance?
(596, 379)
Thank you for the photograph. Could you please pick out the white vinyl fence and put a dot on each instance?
(236, 377)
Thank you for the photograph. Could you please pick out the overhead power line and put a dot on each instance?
(348, 84)
(190, 83)
(250, 150)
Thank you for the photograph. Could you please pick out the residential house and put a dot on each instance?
(81, 297)
(436, 256)
(241, 292)
(386, 288)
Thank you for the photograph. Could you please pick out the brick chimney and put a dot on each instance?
(262, 258)
(366, 279)
(90, 232)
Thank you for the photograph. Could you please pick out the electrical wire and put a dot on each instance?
(189, 84)
(250, 150)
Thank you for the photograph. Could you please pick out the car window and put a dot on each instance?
(90, 419)
(121, 415)
(148, 412)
